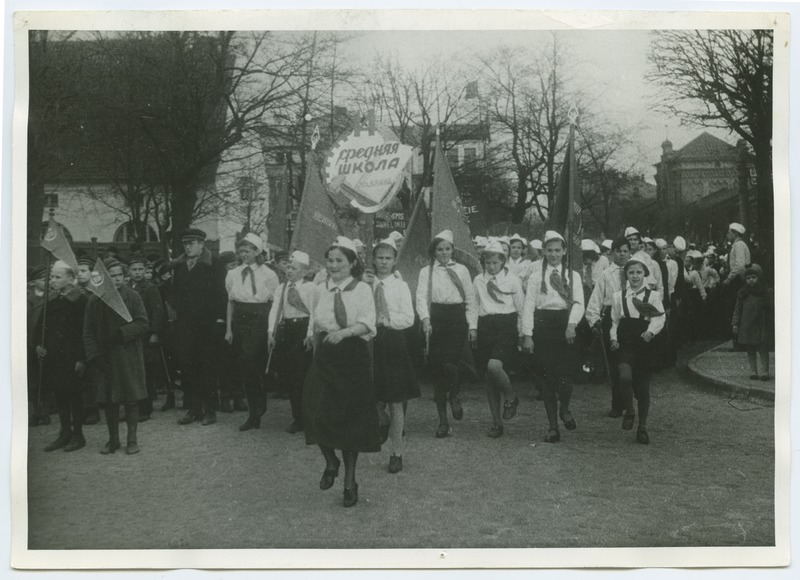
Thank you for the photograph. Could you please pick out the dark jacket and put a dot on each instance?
(199, 294)
(63, 336)
(153, 303)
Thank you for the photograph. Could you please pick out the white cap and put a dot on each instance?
(300, 257)
(631, 231)
(504, 239)
(589, 246)
(481, 241)
(736, 227)
(517, 238)
(647, 240)
(694, 254)
(445, 235)
(358, 243)
(710, 251)
(551, 235)
(493, 247)
(607, 244)
(342, 242)
(396, 236)
(679, 243)
(254, 240)
(388, 242)
(61, 265)
(536, 244)
(661, 243)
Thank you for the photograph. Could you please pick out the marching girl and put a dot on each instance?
(445, 303)
(517, 263)
(339, 405)
(637, 315)
(395, 379)
(553, 308)
(499, 295)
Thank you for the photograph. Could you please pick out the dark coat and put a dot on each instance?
(116, 368)
(153, 303)
(63, 338)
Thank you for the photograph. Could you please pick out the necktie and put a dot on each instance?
(494, 290)
(293, 298)
(339, 311)
(381, 306)
(248, 270)
(557, 284)
(457, 282)
(587, 276)
(644, 308)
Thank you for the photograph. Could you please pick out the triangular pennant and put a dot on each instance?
(317, 226)
(57, 244)
(101, 285)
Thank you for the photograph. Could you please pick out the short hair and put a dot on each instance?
(383, 245)
(356, 269)
(435, 244)
(619, 242)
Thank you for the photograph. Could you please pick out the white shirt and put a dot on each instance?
(511, 303)
(398, 300)
(738, 258)
(656, 323)
(443, 290)
(550, 299)
(694, 280)
(603, 293)
(672, 272)
(358, 302)
(653, 279)
(306, 291)
(242, 291)
(519, 267)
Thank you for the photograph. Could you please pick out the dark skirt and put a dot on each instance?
(395, 378)
(497, 339)
(339, 403)
(632, 349)
(554, 356)
(291, 360)
(250, 332)
(449, 334)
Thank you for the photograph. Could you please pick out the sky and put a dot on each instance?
(610, 65)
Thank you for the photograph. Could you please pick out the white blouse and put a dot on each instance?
(510, 294)
(603, 293)
(242, 291)
(519, 267)
(656, 322)
(443, 290)
(306, 291)
(358, 302)
(398, 299)
(550, 299)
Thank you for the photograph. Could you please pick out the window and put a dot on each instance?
(280, 157)
(127, 233)
(470, 155)
(452, 157)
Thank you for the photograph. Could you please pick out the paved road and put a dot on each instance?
(706, 479)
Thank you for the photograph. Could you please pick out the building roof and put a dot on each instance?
(706, 147)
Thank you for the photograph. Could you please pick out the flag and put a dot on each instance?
(100, 285)
(57, 244)
(448, 212)
(566, 215)
(276, 222)
(413, 254)
(317, 226)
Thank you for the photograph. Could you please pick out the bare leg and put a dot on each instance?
(396, 428)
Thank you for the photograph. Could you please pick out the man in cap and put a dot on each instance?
(200, 302)
(37, 285)
(84, 273)
(738, 256)
(154, 305)
(82, 278)
(60, 350)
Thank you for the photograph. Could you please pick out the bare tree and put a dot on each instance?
(722, 78)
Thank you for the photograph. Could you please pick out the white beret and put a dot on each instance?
(661, 243)
(300, 258)
(607, 244)
(736, 227)
(679, 243)
(342, 242)
(536, 244)
(388, 242)
(445, 235)
(589, 246)
(551, 235)
(254, 240)
(493, 247)
(631, 231)
(517, 238)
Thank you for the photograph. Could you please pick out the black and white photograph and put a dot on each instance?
(443, 284)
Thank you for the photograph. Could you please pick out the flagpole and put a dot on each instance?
(573, 119)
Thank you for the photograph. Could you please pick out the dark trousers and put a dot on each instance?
(617, 403)
(291, 361)
(197, 348)
(249, 327)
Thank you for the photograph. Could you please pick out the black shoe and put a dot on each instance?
(443, 430)
(250, 424)
(78, 441)
(615, 413)
(510, 409)
(456, 409)
(110, 447)
(239, 404)
(295, 427)
(328, 476)
(764, 378)
(569, 421)
(641, 436)
(143, 418)
(209, 419)
(61, 441)
(553, 436)
(92, 417)
(169, 403)
(495, 431)
(350, 496)
(226, 407)
(395, 463)
(132, 449)
(627, 421)
(188, 418)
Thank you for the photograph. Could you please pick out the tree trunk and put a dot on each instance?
(765, 232)
(520, 206)
(182, 211)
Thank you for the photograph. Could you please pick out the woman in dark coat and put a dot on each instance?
(339, 402)
(61, 355)
(115, 358)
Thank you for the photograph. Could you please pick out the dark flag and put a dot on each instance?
(414, 251)
(316, 226)
(101, 285)
(566, 215)
(448, 212)
(276, 223)
(57, 244)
